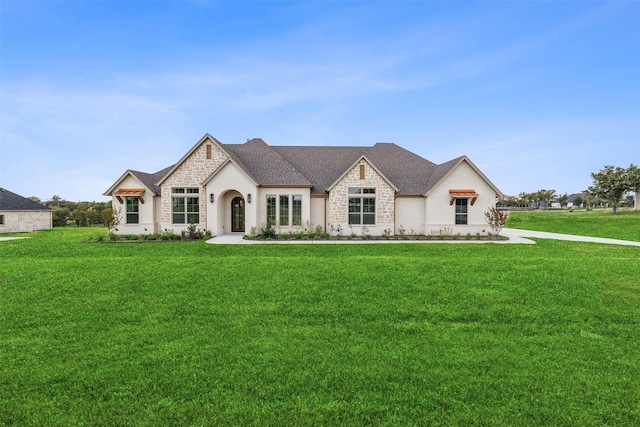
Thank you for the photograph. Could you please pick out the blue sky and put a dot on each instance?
(538, 94)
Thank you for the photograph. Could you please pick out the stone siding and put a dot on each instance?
(338, 205)
(26, 221)
(191, 173)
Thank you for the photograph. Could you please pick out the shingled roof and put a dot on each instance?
(13, 202)
(318, 167)
(150, 179)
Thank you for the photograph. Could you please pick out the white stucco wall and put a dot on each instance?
(410, 213)
(26, 221)
(147, 213)
(440, 214)
(228, 183)
(318, 213)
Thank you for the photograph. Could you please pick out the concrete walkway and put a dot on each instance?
(515, 237)
(525, 234)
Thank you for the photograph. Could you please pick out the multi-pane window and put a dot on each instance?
(362, 206)
(296, 200)
(185, 205)
(287, 209)
(284, 210)
(462, 209)
(271, 208)
(133, 210)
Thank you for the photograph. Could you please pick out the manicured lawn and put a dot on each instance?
(180, 333)
(597, 223)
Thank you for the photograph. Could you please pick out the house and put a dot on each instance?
(19, 214)
(226, 188)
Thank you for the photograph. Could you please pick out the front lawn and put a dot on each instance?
(624, 225)
(185, 333)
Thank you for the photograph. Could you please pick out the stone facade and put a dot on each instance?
(338, 209)
(25, 221)
(191, 173)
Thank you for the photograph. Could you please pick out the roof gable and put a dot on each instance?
(362, 158)
(206, 138)
(445, 169)
(10, 201)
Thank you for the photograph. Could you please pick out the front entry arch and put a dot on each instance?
(237, 214)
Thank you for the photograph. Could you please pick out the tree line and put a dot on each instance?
(612, 186)
(80, 214)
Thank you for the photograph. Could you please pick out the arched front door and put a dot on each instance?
(237, 214)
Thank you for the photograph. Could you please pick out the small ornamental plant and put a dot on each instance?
(496, 219)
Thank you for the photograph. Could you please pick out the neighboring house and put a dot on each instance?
(227, 188)
(19, 214)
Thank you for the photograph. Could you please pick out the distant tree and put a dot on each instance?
(55, 199)
(578, 201)
(60, 217)
(80, 217)
(544, 197)
(633, 172)
(35, 199)
(562, 199)
(610, 184)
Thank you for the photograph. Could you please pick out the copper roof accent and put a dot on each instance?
(463, 193)
(130, 191)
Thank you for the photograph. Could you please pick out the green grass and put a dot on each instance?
(181, 333)
(624, 225)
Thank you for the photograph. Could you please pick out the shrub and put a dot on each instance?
(268, 231)
(496, 219)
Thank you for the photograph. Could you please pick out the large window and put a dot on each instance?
(297, 209)
(133, 210)
(271, 208)
(287, 209)
(185, 205)
(462, 209)
(362, 206)
(284, 210)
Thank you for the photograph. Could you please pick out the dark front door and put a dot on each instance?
(237, 214)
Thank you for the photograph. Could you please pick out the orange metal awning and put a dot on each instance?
(129, 192)
(462, 193)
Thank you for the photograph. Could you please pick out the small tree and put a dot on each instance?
(611, 184)
(111, 219)
(496, 219)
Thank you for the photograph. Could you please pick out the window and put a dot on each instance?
(297, 209)
(284, 210)
(362, 206)
(1, 219)
(208, 151)
(133, 210)
(462, 208)
(271, 208)
(185, 205)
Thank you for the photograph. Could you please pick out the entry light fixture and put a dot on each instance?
(249, 197)
(211, 197)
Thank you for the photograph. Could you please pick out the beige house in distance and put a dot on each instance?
(229, 188)
(19, 214)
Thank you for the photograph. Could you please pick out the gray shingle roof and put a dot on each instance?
(13, 202)
(150, 179)
(265, 165)
(319, 167)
